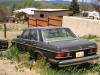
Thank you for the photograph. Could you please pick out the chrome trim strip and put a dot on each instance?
(40, 48)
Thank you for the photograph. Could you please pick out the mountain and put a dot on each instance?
(55, 1)
(9, 1)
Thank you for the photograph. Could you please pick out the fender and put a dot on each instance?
(37, 51)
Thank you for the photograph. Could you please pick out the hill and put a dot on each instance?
(56, 1)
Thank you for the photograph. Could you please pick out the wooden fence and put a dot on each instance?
(41, 22)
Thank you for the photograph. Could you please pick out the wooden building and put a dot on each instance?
(47, 17)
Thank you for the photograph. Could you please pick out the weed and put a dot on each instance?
(15, 55)
(43, 67)
(72, 70)
(12, 54)
(89, 36)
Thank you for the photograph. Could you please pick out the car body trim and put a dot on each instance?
(39, 48)
(74, 61)
(47, 49)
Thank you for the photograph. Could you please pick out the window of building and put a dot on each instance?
(42, 15)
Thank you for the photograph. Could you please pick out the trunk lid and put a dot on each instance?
(73, 45)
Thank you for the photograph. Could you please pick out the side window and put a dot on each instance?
(33, 35)
(42, 15)
(25, 34)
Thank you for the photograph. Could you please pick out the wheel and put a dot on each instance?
(32, 55)
(38, 56)
(54, 66)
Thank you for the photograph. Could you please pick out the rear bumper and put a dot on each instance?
(74, 61)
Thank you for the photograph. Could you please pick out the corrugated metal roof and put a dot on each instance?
(29, 11)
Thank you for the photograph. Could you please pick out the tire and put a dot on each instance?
(12, 44)
(54, 66)
(38, 56)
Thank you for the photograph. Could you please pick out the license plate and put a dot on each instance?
(79, 54)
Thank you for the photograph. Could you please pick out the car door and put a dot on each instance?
(33, 38)
(25, 39)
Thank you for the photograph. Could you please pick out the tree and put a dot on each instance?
(28, 3)
(96, 5)
(74, 6)
(4, 12)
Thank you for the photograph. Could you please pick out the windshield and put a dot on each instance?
(58, 34)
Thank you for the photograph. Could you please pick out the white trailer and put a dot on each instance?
(94, 15)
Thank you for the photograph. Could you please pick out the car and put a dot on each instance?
(59, 45)
(3, 44)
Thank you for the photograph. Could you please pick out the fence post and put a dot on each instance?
(5, 31)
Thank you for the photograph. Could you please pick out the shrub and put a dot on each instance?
(89, 36)
(72, 70)
(44, 68)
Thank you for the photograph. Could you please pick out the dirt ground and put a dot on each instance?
(12, 30)
(7, 68)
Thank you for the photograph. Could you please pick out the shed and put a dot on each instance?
(48, 17)
(45, 13)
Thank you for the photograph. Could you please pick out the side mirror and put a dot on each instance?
(18, 36)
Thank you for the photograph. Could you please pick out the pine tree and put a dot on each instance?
(74, 7)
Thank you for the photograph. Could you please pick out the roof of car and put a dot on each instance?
(49, 27)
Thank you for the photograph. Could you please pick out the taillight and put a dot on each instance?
(62, 55)
(93, 50)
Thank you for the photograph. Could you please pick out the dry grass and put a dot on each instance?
(12, 30)
(10, 35)
(7, 68)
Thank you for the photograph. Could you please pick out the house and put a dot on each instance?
(44, 13)
(47, 17)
